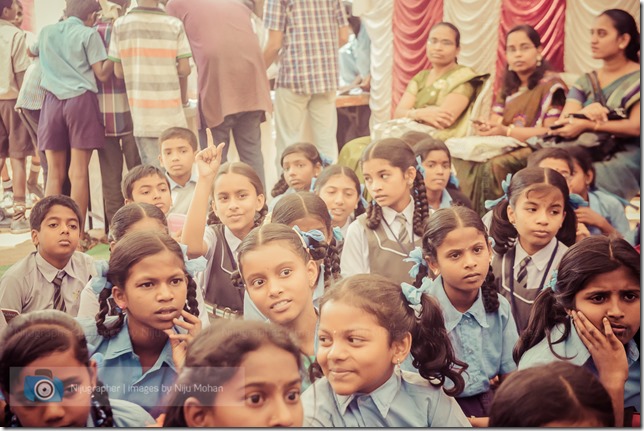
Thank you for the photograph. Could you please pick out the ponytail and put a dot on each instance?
(421, 207)
(280, 187)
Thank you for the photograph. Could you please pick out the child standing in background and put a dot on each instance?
(72, 56)
(150, 51)
(14, 139)
(379, 240)
(301, 164)
(533, 225)
(178, 150)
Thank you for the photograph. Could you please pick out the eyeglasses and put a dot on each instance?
(444, 42)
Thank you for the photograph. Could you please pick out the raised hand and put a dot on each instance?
(209, 159)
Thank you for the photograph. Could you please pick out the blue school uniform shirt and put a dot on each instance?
(67, 51)
(120, 368)
(446, 201)
(404, 400)
(611, 209)
(573, 348)
(483, 340)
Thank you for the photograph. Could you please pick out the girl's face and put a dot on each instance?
(616, 296)
(341, 197)
(354, 350)
(389, 185)
(537, 216)
(299, 171)
(605, 41)
(68, 389)
(521, 52)
(236, 202)
(279, 281)
(441, 46)
(437, 168)
(580, 180)
(265, 392)
(463, 260)
(155, 291)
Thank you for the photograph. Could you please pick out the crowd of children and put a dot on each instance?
(333, 304)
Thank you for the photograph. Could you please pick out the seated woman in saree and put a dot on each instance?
(530, 101)
(441, 97)
(616, 41)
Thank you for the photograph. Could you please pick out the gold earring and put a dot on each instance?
(509, 68)
(538, 61)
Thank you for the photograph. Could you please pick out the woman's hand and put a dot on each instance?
(179, 342)
(582, 232)
(434, 116)
(487, 129)
(595, 112)
(573, 127)
(209, 159)
(589, 217)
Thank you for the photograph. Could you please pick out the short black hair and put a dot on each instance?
(550, 153)
(136, 174)
(42, 207)
(81, 9)
(5, 4)
(179, 133)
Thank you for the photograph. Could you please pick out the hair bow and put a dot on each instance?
(193, 266)
(99, 282)
(414, 295)
(365, 204)
(326, 161)
(576, 201)
(505, 184)
(267, 218)
(419, 166)
(416, 256)
(492, 241)
(313, 180)
(453, 180)
(307, 236)
(337, 234)
(552, 284)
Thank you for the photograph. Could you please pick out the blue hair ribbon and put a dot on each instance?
(505, 184)
(552, 284)
(576, 201)
(365, 204)
(453, 180)
(99, 282)
(307, 236)
(326, 161)
(419, 166)
(492, 241)
(337, 234)
(313, 180)
(416, 256)
(414, 295)
(193, 266)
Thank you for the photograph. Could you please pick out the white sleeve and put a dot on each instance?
(355, 252)
(89, 305)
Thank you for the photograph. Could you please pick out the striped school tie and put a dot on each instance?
(403, 235)
(59, 302)
(522, 276)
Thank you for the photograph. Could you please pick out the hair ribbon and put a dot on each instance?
(326, 161)
(416, 256)
(505, 184)
(313, 180)
(99, 282)
(308, 236)
(193, 266)
(365, 204)
(337, 234)
(419, 166)
(453, 180)
(552, 284)
(576, 201)
(414, 295)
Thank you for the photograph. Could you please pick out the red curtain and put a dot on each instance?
(28, 13)
(412, 20)
(546, 16)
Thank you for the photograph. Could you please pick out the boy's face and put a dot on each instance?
(58, 236)
(10, 14)
(153, 190)
(177, 157)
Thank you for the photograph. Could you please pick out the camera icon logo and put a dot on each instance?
(43, 387)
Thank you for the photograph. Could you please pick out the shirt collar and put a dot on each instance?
(50, 272)
(576, 348)
(193, 179)
(122, 344)
(390, 215)
(540, 258)
(446, 200)
(232, 240)
(75, 20)
(382, 397)
(452, 315)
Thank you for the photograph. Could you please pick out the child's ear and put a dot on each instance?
(317, 169)
(400, 349)
(93, 372)
(34, 237)
(312, 271)
(511, 215)
(214, 207)
(197, 415)
(433, 266)
(261, 199)
(590, 176)
(127, 201)
(119, 297)
(410, 175)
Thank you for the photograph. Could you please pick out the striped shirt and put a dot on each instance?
(309, 58)
(112, 99)
(148, 42)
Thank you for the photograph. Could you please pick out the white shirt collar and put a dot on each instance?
(232, 240)
(389, 214)
(193, 179)
(540, 258)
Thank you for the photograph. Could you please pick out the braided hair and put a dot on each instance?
(399, 155)
(133, 248)
(440, 224)
(247, 171)
(34, 335)
(309, 151)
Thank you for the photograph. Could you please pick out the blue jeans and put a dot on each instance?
(245, 127)
(149, 150)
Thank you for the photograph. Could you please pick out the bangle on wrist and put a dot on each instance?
(509, 130)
